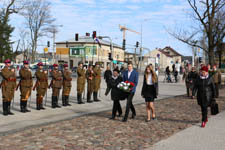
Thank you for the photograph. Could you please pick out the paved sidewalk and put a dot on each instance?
(212, 137)
(20, 121)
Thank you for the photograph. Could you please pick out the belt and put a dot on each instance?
(43, 80)
(58, 79)
(11, 80)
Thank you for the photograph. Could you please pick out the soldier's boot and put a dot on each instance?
(53, 101)
(89, 98)
(38, 104)
(25, 107)
(95, 95)
(64, 100)
(79, 99)
(56, 102)
(5, 112)
(67, 101)
(22, 107)
(8, 106)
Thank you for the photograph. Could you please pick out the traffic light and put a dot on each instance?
(124, 44)
(67, 43)
(48, 43)
(137, 44)
(94, 35)
(76, 37)
(110, 56)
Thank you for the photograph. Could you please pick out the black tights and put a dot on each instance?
(204, 113)
(116, 107)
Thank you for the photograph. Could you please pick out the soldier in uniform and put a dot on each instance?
(66, 85)
(90, 82)
(56, 85)
(185, 77)
(217, 79)
(26, 84)
(80, 82)
(41, 85)
(8, 86)
(97, 81)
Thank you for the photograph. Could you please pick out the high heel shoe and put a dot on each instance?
(203, 124)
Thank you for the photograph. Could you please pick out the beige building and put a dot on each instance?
(167, 57)
(88, 51)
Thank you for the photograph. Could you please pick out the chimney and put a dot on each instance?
(87, 34)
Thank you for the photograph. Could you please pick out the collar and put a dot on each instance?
(114, 77)
(130, 71)
(204, 77)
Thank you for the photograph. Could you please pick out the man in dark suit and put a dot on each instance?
(132, 76)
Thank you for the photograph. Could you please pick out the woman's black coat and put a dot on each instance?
(145, 92)
(116, 93)
(205, 89)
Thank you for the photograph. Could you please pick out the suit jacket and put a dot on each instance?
(133, 78)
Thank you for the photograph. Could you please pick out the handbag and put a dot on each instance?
(214, 109)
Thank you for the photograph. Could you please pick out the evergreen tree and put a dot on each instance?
(5, 34)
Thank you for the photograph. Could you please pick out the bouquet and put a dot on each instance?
(126, 86)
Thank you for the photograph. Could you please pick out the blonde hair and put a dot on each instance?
(154, 76)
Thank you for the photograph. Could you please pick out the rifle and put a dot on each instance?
(18, 85)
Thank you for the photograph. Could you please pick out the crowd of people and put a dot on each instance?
(205, 82)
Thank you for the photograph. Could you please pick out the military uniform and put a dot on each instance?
(90, 84)
(80, 84)
(26, 84)
(56, 86)
(41, 86)
(97, 83)
(8, 86)
(217, 80)
(66, 86)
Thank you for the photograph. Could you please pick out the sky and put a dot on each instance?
(104, 16)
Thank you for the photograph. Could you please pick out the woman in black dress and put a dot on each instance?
(115, 92)
(150, 91)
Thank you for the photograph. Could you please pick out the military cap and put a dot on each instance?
(65, 65)
(25, 62)
(55, 65)
(40, 64)
(7, 61)
(80, 62)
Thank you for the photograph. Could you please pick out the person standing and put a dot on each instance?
(132, 76)
(205, 89)
(149, 91)
(41, 85)
(56, 85)
(191, 78)
(66, 85)
(80, 82)
(26, 84)
(217, 79)
(115, 92)
(107, 75)
(97, 81)
(8, 86)
(186, 79)
(90, 82)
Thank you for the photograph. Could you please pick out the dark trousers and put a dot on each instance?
(129, 106)
(217, 86)
(116, 107)
(204, 110)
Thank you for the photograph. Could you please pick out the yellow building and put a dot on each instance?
(89, 51)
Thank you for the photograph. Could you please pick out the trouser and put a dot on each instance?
(129, 106)
(204, 110)
(217, 86)
(116, 107)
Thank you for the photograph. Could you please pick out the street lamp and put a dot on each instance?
(141, 48)
(54, 31)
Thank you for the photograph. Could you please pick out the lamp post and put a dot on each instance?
(54, 31)
(141, 48)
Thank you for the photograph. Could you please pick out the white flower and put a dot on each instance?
(128, 84)
(125, 88)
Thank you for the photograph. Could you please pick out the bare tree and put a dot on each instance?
(208, 13)
(38, 20)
